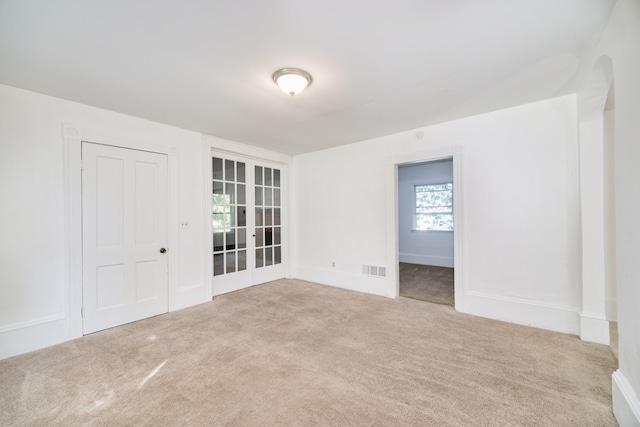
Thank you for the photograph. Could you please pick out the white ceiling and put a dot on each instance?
(379, 67)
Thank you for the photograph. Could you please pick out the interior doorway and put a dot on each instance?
(426, 231)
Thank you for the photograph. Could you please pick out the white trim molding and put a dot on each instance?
(538, 314)
(626, 406)
(438, 261)
(34, 334)
(594, 327)
(346, 280)
(32, 322)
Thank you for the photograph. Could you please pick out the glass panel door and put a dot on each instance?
(268, 223)
(229, 224)
(247, 223)
(268, 226)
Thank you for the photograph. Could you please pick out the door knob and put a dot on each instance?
(162, 250)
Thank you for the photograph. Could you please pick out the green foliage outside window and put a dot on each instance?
(434, 207)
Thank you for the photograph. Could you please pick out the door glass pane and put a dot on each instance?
(218, 189)
(242, 216)
(229, 174)
(268, 219)
(268, 256)
(276, 236)
(231, 240)
(268, 198)
(240, 167)
(258, 196)
(231, 192)
(218, 264)
(258, 175)
(267, 176)
(259, 237)
(232, 216)
(276, 177)
(218, 217)
(259, 217)
(231, 262)
(259, 256)
(276, 216)
(218, 241)
(242, 260)
(242, 238)
(277, 255)
(276, 197)
(241, 194)
(268, 236)
(217, 168)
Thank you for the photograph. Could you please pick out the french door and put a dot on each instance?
(246, 222)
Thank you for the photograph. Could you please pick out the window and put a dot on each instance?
(433, 207)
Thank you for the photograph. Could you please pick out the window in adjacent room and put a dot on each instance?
(433, 207)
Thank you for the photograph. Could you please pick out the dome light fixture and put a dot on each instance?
(292, 80)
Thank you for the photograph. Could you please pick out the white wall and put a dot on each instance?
(422, 247)
(36, 307)
(521, 211)
(620, 43)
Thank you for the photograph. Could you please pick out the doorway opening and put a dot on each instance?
(426, 231)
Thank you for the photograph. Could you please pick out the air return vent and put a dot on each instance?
(372, 270)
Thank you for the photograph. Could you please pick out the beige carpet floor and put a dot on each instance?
(292, 353)
(427, 283)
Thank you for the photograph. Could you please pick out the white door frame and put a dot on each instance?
(393, 247)
(72, 140)
(212, 144)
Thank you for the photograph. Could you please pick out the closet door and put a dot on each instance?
(124, 236)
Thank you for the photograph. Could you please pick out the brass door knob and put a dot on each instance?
(162, 250)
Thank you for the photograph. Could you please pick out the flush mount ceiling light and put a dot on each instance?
(292, 80)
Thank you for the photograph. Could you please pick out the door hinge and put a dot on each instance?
(81, 164)
(82, 311)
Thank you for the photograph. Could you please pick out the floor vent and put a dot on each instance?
(372, 270)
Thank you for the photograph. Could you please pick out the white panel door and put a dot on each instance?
(247, 222)
(124, 236)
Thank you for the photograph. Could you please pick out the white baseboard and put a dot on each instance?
(340, 279)
(190, 295)
(594, 328)
(33, 335)
(626, 406)
(438, 261)
(524, 312)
